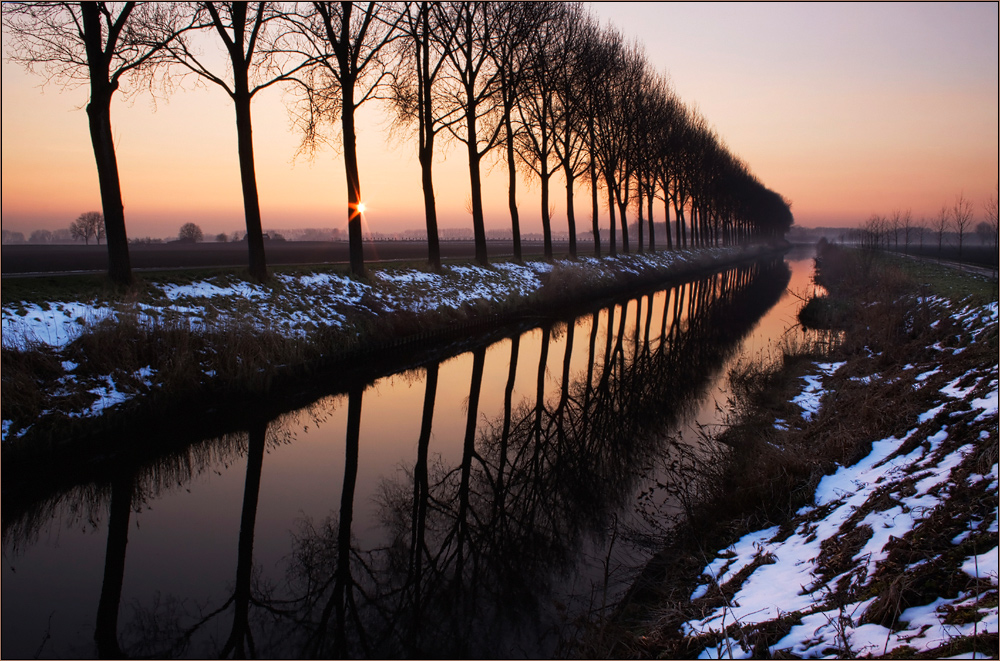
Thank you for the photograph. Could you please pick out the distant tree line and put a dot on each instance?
(953, 226)
(540, 86)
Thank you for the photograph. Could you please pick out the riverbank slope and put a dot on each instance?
(851, 507)
(82, 362)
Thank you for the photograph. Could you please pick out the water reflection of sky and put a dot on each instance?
(183, 537)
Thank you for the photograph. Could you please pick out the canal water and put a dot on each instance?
(484, 504)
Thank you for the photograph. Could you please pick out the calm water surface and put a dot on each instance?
(481, 505)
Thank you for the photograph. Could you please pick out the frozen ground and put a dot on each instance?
(899, 492)
(296, 304)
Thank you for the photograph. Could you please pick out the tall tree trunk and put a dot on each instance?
(426, 157)
(515, 219)
(244, 562)
(475, 178)
(421, 491)
(666, 218)
(354, 233)
(425, 150)
(99, 114)
(681, 224)
(612, 249)
(641, 221)
(652, 227)
(546, 219)
(622, 207)
(106, 634)
(344, 580)
(594, 209)
(468, 450)
(248, 178)
(570, 215)
(499, 515)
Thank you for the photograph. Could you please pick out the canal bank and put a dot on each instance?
(82, 371)
(850, 508)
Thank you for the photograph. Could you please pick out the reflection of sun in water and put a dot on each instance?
(361, 207)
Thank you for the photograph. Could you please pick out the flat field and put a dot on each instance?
(36, 259)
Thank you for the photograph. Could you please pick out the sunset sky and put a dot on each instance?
(846, 109)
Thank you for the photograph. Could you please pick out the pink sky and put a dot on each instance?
(846, 109)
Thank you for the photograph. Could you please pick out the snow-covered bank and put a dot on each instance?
(897, 553)
(293, 310)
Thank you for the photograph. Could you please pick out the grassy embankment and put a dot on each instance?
(81, 359)
(764, 564)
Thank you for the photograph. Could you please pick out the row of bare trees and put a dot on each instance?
(887, 232)
(539, 85)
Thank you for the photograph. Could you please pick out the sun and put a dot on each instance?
(361, 207)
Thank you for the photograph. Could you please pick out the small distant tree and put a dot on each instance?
(961, 217)
(190, 233)
(40, 236)
(920, 230)
(992, 218)
(88, 224)
(941, 226)
(894, 225)
(10, 237)
(984, 232)
(908, 229)
(222, 237)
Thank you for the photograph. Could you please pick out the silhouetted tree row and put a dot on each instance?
(544, 81)
(952, 225)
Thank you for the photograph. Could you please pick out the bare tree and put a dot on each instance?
(961, 218)
(348, 44)
(983, 231)
(596, 54)
(415, 94)
(473, 83)
(514, 55)
(190, 233)
(536, 109)
(667, 129)
(607, 143)
(621, 140)
(100, 44)
(9, 237)
(941, 226)
(88, 224)
(895, 224)
(907, 230)
(251, 35)
(990, 207)
(40, 236)
(569, 112)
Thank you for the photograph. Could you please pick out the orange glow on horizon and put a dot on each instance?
(841, 125)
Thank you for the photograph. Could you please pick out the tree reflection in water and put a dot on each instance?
(474, 551)
(475, 548)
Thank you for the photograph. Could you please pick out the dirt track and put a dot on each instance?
(48, 259)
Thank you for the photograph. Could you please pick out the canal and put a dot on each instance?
(486, 503)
